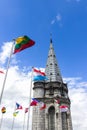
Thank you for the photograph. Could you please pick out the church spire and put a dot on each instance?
(50, 38)
(52, 68)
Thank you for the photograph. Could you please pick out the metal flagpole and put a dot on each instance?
(1, 121)
(13, 118)
(29, 101)
(13, 123)
(24, 121)
(6, 72)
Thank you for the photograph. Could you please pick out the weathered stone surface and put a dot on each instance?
(51, 118)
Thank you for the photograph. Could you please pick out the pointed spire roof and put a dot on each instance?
(52, 68)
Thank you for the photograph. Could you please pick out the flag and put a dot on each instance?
(26, 110)
(18, 106)
(39, 78)
(15, 113)
(23, 43)
(34, 99)
(3, 110)
(1, 72)
(63, 108)
(39, 72)
(43, 106)
(34, 102)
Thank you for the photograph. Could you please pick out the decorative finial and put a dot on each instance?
(50, 37)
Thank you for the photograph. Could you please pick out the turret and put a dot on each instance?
(38, 89)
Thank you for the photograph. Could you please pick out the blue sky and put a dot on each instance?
(67, 21)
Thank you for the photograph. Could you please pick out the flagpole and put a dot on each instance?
(13, 123)
(13, 118)
(1, 121)
(24, 121)
(6, 72)
(28, 123)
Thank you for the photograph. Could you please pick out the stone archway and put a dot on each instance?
(51, 118)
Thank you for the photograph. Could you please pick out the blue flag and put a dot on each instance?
(39, 78)
(18, 106)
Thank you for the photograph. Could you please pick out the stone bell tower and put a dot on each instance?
(49, 92)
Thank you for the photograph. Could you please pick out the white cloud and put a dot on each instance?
(73, 0)
(6, 48)
(58, 19)
(17, 89)
(53, 21)
(5, 53)
(77, 0)
(78, 96)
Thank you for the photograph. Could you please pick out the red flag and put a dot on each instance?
(1, 72)
(63, 108)
(43, 106)
(26, 110)
(39, 72)
(33, 103)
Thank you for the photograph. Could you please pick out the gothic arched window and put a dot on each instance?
(64, 121)
(51, 112)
